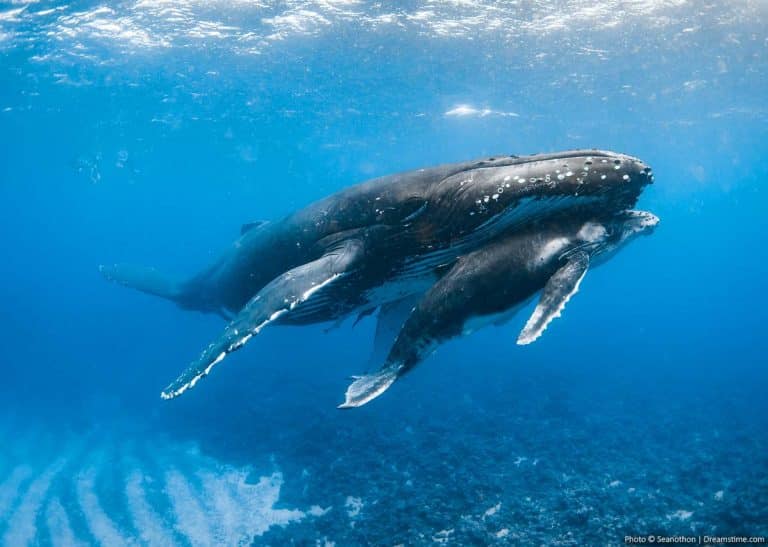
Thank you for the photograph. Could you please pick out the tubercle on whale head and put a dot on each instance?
(609, 176)
(591, 169)
(635, 223)
(622, 227)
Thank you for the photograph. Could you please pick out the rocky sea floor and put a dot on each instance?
(553, 482)
(533, 461)
(515, 456)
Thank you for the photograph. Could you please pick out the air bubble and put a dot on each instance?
(569, 174)
(560, 176)
(625, 177)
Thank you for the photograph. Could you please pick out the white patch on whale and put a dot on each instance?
(591, 232)
(551, 248)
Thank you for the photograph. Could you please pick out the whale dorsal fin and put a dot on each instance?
(563, 284)
(248, 226)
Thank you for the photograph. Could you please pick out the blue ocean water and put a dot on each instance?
(149, 131)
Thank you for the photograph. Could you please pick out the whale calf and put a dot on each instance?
(404, 243)
(488, 285)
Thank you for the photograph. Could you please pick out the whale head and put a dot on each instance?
(626, 225)
(603, 238)
(500, 193)
(609, 179)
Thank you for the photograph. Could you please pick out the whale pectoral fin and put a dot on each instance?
(558, 290)
(276, 299)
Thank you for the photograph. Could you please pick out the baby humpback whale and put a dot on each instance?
(427, 248)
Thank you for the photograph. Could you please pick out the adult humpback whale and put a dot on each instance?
(395, 243)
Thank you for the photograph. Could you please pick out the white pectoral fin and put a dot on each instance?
(279, 297)
(556, 294)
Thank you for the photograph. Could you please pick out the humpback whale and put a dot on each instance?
(404, 243)
(488, 285)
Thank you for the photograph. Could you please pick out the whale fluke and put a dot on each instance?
(368, 387)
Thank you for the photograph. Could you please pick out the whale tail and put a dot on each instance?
(142, 278)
